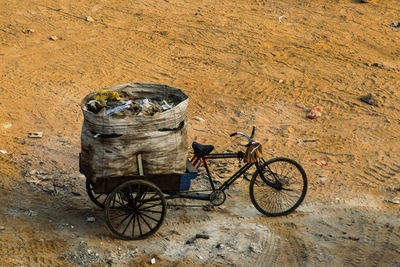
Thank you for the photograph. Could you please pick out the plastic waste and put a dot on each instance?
(321, 162)
(113, 103)
(123, 105)
(145, 103)
(165, 106)
(315, 113)
(369, 99)
(95, 106)
(147, 107)
(106, 95)
(395, 25)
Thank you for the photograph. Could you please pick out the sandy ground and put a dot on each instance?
(240, 67)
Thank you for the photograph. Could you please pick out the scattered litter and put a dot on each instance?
(301, 106)
(153, 261)
(190, 240)
(28, 31)
(83, 256)
(315, 112)
(200, 257)
(90, 219)
(280, 20)
(369, 99)
(202, 236)
(8, 125)
(395, 25)
(30, 213)
(3, 151)
(321, 162)
(220, 246)
(255, 248)
(89, 19)
(281, 81)
(310, 140)
(378, 65)
(199, 119)
(35, 135)
(53, 38)
(395, 200)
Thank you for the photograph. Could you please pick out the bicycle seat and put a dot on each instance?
(202, 150)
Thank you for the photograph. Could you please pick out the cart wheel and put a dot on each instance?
(98, 199)
(135, 209)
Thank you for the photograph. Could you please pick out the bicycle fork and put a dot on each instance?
(277, 184)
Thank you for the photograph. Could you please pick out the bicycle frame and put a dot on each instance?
(239, 155)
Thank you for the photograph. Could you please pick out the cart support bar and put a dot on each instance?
(140, 164)
(194, 196)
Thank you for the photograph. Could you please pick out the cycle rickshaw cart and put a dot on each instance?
(135, 206)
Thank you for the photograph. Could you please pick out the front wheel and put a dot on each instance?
(135, 209)
(284, 198)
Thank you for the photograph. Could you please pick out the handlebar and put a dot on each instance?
(245, 135)
(242, 134)
(253, 132)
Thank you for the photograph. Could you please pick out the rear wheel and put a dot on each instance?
(291, 187)
(135, 209)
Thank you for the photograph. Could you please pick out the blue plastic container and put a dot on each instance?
(185, 180)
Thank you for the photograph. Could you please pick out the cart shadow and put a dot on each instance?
(66, 214)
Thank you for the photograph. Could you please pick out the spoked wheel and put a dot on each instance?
(135, 209)
(98, 199)
(291, 187)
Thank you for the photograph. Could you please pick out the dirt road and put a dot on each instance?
(242, 63)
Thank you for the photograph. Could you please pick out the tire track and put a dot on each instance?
(379, 258)
(33, 252)
(270, 253)
(381, 172)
